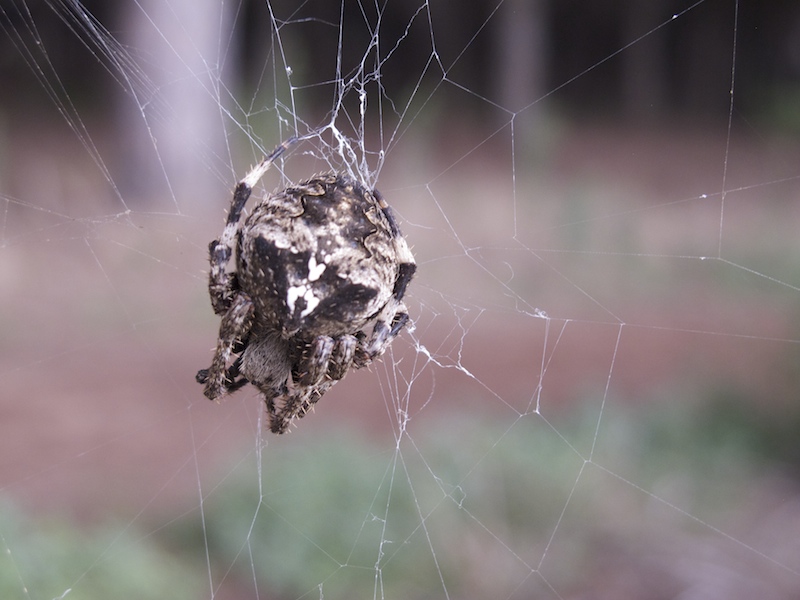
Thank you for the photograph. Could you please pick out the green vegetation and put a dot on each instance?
(465, 505)
(50, 558)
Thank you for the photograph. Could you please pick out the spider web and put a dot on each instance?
(598, 396)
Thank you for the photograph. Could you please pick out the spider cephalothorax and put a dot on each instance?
(321, 269)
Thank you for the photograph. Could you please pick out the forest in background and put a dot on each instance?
(508, 52)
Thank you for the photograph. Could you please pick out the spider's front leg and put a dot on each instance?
(314, 361)
(383, 333)
(222, 286)
(294, 404)
(392, 318)
(342, 357)
(322, 363)
(219, 379)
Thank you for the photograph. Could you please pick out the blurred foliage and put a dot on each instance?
(779, 108)
(768, 434)
(471, 506)
(51, 558)
(464, 504)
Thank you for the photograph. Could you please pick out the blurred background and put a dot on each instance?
(600, 394)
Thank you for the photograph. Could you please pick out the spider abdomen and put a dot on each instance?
(318, 258)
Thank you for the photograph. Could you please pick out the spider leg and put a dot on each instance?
(395, 312)
(309, 384)
(382, 335)
(324, 362)
(236, 322)
(231, 382)
(314, 363)
(222, 286)
(342, 357)
(284, 408)
(233, 377)
(295, 404)
(244, 188)
(407, 266)
(405, 272)
(258, 171)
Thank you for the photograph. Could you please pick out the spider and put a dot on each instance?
(321, 270)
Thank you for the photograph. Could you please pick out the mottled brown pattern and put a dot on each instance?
(321, 270)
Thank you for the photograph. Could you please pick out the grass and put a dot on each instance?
(477, 508)
(53, 558)
(486, 511)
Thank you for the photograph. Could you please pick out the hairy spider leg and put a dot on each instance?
(404, 274)
(223, 285)
(231, 382)
(342, 357)
(235, 325)
(245, 187)
(296, 405)
(314, 363)
(387, 210)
